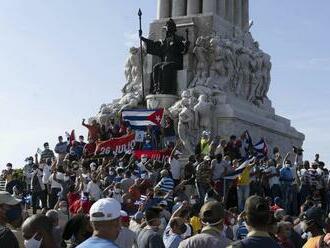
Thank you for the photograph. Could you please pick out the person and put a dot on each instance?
(56, 229)
(93, 188)
(127, 181)
(173, 234)
(55, 186)
(126, 237)
(283, 234)
(27, 172)
(136, 222)
(37, 189)
(243, 185)
(212, 215)
(166, 184)
(286, 179)
(272, 174)
(46, 154)
(258, 219)
(93, 131)
(77, 230)
(203, 177)
(61, 148)
(175, 165)
(105, 220)
(313, 222)
(10, 210)
(8, 173)
(38, 232)
(149, 236)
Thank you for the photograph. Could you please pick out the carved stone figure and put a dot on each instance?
(171, 51)
(187, 126)
(217, 78)
(201, 53)
(203, 110)
(133, 71)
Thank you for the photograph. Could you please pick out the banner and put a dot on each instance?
(116, 145)
(156, 154)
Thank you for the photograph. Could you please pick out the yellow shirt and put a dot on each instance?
(312, 242)
(244, 179)
(196, 224)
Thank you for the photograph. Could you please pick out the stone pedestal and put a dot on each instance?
(160, 101)
(234, 116)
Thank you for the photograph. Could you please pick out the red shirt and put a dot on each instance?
(80, 205)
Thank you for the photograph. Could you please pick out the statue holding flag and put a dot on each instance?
(171, 51)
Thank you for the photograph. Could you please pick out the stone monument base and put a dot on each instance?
(160, 101)
(234, 116)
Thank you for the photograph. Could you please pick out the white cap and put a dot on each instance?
(207, 158)
(6, 198)
(105, 209)
(177, 152)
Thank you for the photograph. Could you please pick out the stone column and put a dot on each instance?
(193, 7)
(209, 6)
(179, 8)
(245, 15)
(229, 10)
(222, 8)
(238, 13)
(163, 9)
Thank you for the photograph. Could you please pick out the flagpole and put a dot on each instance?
(141, 52)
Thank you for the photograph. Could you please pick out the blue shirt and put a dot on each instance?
(286, 175)
(170, 239)
(97, 242)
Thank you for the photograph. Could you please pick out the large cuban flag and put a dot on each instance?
(141, 118)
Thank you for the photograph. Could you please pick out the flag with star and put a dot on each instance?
(141, 118)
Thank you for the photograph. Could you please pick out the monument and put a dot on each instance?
(220, 79)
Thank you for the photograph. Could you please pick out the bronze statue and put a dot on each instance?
(171, 51)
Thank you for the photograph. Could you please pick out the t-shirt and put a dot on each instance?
(53, 183)
(97, 242)
(171, 240)
(312, 242)
(257, 240)
(126, 238)
(45, 174)
(94, 191)
(148, 238)
(274, 179)
(175, 168)
(217, 169)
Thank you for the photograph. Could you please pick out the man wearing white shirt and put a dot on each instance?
(175, 166)
(55, 188)
(273, 179)
(93, 189)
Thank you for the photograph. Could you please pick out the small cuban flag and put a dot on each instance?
(141, 118)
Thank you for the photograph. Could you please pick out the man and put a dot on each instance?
(55, 186)
(27, 172)
(127, 181)
(203, 178)
(175, 166)
(272, 174)
(212, 215)
(61, 149)
(10, 211)
(93, 131)
(105, 221)
(176, 227)
(93, 188)
(149, 236)
(286, 179)
(8, 173)
(57, 231)
(243, 185)
(37, 189)
(166, 184)
(126, 237)
(258, 216)
(46, 154)
(313, 222)
(38, 232)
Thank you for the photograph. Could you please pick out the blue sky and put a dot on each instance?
(60, 60)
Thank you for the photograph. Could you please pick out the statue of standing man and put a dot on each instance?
(171, 51)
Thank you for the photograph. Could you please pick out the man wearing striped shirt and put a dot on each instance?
(166, 184)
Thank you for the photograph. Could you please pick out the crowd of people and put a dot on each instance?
(224, 195)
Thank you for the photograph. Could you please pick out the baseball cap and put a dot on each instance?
(207, 158)
(138, 216)
(314, 214)
(105, 209)
(6, 198)
(212, 213)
